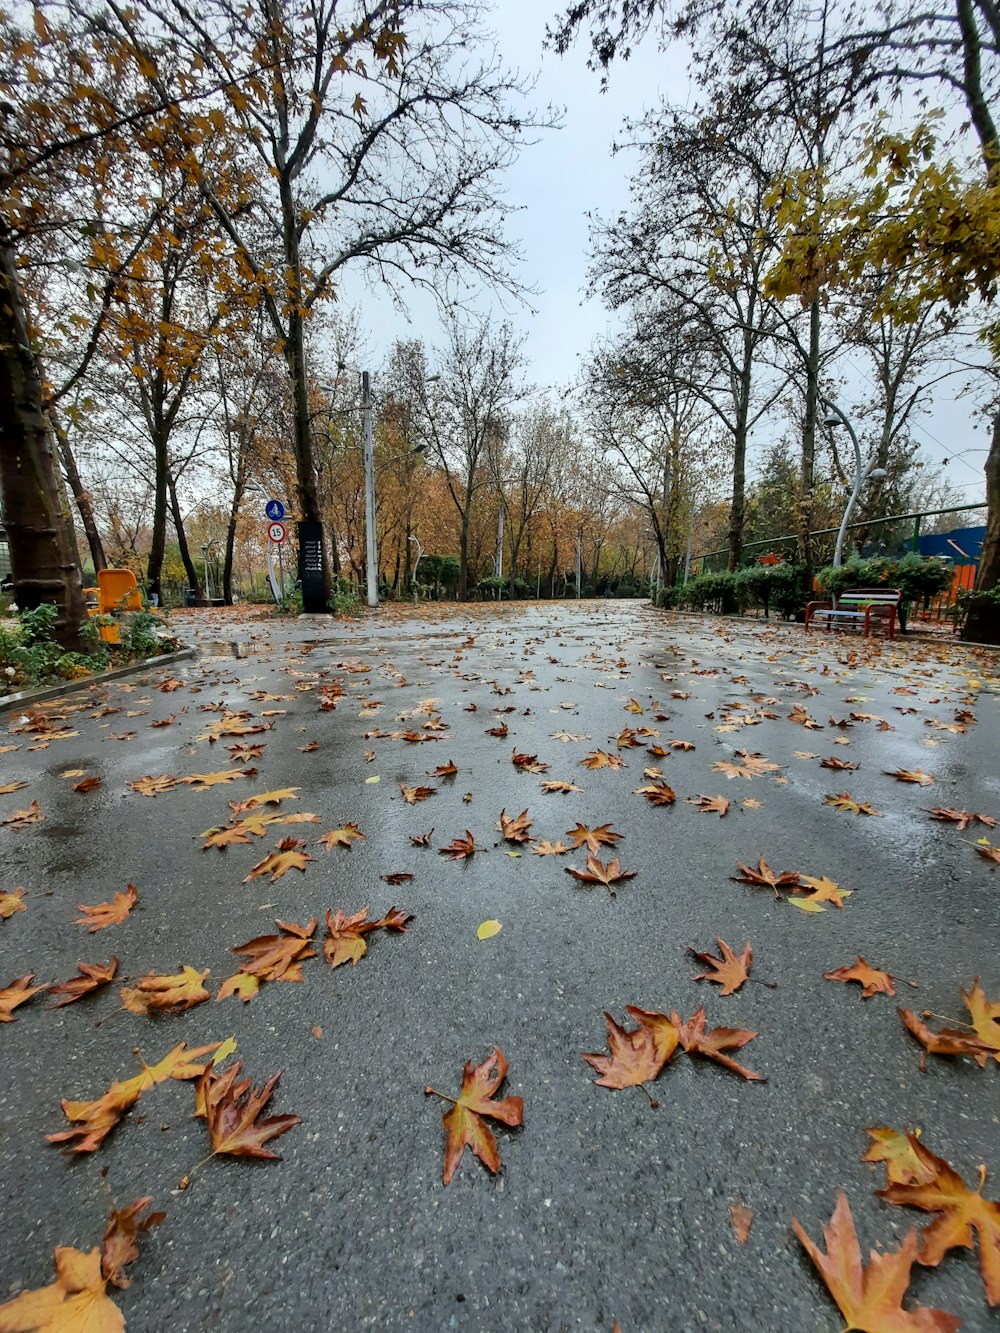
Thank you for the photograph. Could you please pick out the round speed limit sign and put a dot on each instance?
(277, 532)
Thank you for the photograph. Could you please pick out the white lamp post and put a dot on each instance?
(863, 473)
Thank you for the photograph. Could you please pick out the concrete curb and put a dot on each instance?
(26, 698)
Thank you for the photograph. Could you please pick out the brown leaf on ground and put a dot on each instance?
(545, 848)
(874, 981)
(245, 753)
(93, 1121)
(910, 775)
(166, 994)
(730, 970)
(681, 745)
(553, 785)
(597, 873)
(150, 786)
(713, 1045)
(232, 1110)
(987, 851)
(963, 818)
(411, 795)
(7, 787)
(289, 856)
(499, 731)
(76, 1302)
(242, 985)
(88, 784)
(601, 759)
(465, 1123)
(422, 839)
(657, 792)
(765, 878)
(18, 992)
(895, 1149)
(961, 1212)
(636, 1057)
(92, 976)
(102, 915)
(341, 837)
(121, 1237)
(528, 763)
(870, 1299)
(263, 798)
(843, 800)
(278, 957)
(10, 903)
(742, 1219)
(447, 770)
(345, 941)
(840, 765)
(205, 781)
(799, 715)
(710, 805)
(515, 830)
(460, 848)
(24, 818)
(821, 890)
(593, 838)
(982, 1044)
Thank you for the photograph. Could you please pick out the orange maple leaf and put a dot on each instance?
(465, 1123)
(102, 915)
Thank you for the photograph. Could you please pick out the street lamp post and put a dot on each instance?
(863, 473)
(420, 551)
(371, 556)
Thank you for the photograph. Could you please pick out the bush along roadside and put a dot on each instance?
(919, 578)
(778, 588)
(30, 657)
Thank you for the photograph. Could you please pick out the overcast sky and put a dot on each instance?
(571, 172)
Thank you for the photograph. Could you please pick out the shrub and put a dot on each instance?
(918, 577)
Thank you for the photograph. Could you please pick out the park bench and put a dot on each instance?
(860, 606)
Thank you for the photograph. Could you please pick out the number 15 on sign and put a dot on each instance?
(277, 532)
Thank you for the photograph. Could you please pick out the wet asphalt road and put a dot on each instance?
(604, 1208)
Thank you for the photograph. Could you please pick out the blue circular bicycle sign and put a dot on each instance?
(275, 510)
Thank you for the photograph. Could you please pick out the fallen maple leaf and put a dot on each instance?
(657, 793)
(874, 981)
(713, 1045)
(601, 759)
(515, 830)
(411, 795)
(716, 805)
(149, 786)
(844, 801)
(870, 1299)
(88, 784)
(636, 1057)
(205, 781)
(840, 765)
(460, 848)
(552, 785)
(263, 798)
(902, 1165)
(10, 903)
(121, 1235)
(422, 839)
(499, 731)
(102, 915)
(7, 787)
(93, 1121)
(821, 890)
(278, 957)
(341, 837)
(597, 873)
(242, 985)
(465, 1123)
(681, 745)
(345, 942)
(593, 838)
(18, 992)
(91, 977)
(24, 818)
(528, 763)
(963, 818)
(545, 848)
(232, 1110)
(730, 970)
(765, 878)
(910, 775)
(799, 714)
(447, 770)
(961, 1210)
(77, 1302)
(289, 856)
(166, 994)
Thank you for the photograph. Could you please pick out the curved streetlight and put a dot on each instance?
(871, 472)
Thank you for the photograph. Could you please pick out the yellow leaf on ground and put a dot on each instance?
(488, 929)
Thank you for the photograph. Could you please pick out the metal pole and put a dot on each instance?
(369, 448)
(500, 543)
(281, 574)
(538, 582)
(579, 562)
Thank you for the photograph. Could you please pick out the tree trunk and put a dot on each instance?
(157, 547)
(234, 511)
(463, 560)
(807, 470)
(738, 504)
(43, 565)
(189, 567)
(982, 624)
(80, 494)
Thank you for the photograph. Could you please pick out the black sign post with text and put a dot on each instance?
(311, 567)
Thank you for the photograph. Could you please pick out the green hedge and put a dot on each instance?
(916, 576)
(781, 588)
